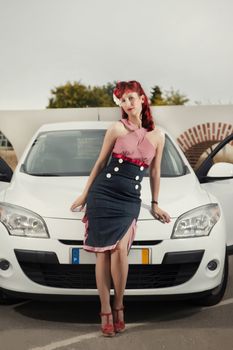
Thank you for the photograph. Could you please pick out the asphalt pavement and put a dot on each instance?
(171, 325)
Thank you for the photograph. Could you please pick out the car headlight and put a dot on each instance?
(197, 222)
(22, 222)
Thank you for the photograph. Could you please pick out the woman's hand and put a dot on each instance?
(160, 214)
(79, 202)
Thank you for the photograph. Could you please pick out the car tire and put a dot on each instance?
(3, 298)
(7, 300)
(216, 294)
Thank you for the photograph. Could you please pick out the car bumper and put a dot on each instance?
(176, 266)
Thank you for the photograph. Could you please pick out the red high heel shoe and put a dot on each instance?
(108, 329)
(119, 326)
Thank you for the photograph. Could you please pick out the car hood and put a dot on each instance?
(51, 197)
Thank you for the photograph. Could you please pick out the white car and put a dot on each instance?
(41, 239)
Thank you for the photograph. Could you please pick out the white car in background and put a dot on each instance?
(41, 239)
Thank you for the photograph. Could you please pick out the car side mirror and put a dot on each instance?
(221, 169)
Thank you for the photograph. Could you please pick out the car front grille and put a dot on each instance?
(83, 276)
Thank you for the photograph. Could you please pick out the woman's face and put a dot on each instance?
(131, 103)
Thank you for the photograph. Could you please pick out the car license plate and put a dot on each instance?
(140, 256)
(81, 256)
(136, 256)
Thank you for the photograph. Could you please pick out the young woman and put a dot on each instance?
(112, 196)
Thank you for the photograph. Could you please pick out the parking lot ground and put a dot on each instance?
(38, 325)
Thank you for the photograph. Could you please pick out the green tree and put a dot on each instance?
(108, 89)
(73, 95)
(156, 98)
(172, 97)
(99, 98)
(76, 94)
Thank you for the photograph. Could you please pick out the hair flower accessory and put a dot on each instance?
(116, 100)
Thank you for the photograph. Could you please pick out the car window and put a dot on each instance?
(225, 154)
(74, 153)
(172, 164)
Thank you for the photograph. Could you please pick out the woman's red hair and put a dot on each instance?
(135, 86)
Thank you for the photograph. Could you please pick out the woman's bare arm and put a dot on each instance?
(155, 172)
(108, 143)
(155, 168)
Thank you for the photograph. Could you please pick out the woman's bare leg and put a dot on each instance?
(119, 270)
(103, 282)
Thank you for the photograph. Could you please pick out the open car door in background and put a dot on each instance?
(216, 176)
(5, 174)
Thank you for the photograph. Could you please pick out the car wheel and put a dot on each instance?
(7, 300)
(216, 294)
(3, 298)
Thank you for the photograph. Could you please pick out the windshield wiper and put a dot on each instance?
(44, 174)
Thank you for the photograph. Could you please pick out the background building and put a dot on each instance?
(197, 129)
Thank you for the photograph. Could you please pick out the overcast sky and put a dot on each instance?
(182, 44)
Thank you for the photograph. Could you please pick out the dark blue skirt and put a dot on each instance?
(113, 205)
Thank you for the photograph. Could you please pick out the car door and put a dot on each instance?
(5, 174)
(216, 176)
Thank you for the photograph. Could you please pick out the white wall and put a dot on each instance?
(19, 126)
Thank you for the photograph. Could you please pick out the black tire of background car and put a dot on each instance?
(7, 300)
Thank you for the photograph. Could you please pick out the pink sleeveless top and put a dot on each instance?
(135, 144)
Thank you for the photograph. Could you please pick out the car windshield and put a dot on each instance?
(74, 153)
